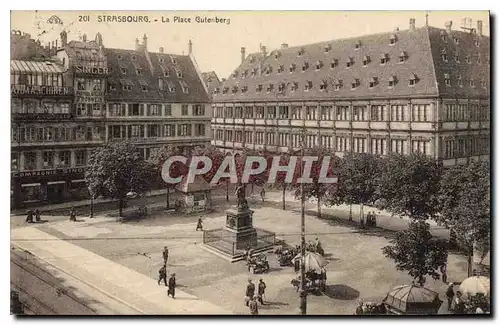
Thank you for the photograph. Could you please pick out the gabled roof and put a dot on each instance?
(152, 68)
(211, 80)
(346, 60)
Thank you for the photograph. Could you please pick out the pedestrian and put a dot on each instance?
(37, 215)
(162, 275)
(199, 225)
(459, 305)
(72, 214)
(165, 255)
(261, 290)
(29, 216)
(254, 308)
(250, 292)
(171, 286)
(359, 309)
(262, 194)
(444, 276)
(449, 295)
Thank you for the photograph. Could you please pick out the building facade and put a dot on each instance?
(417, 90)
(87, 95)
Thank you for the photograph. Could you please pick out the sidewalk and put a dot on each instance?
(129, 287)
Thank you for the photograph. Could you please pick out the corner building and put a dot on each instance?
(417, 90)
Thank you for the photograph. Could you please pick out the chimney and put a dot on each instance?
(243, 54)
(98, 39)
(190, 47)
(84, 37)
(137, 45)
(448, 25)
(162, 50)
(479, 28)
(56, 44)
(412, 23)
(145, 42)
(263, 50)
(284, 46)
(64, 38)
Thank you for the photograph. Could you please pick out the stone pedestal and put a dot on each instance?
(239, 228)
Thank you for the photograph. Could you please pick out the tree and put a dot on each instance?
(357, 180)
(318, 188)
(408, 184)
(417, 252)
(280, 181)
(464, 202)
(116, 169)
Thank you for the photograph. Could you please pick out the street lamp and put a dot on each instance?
(303, 292)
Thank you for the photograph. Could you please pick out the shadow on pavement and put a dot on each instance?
(341, 292)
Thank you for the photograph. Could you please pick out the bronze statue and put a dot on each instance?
(242, 203)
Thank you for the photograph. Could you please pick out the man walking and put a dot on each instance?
(262, 194)
(165, 255)
(449, 295)
(162, 275)
(72, 214)
(171, 286)
(254, 309)
(444, 276)
(199, 225)
(261, 291)
(250, 292)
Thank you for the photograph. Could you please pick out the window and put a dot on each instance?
(457, 58)
(447, 80)
(295, 86)
(359, 113)
(393, 39)
(238, 136)
(47, 134)
(244, 74)
(234, 90)
(283, 112)
(258, 88)
(259, 112)
(225, 90)
(184, 130)
(327, 141)
(420, 112)
(198, 110)
(334, 63)
(443, 37)
(254, 72)
(420, 146)
(270, 88)
(259, 137)
(184, 110)
(270, 138)
(308, 86)
(343, 113)
(296, 112)
(327, 48)
(323, 85)
(456, 40)
(179, 74)
(123, 70)
(398, 146)
(444, 57)
(467, 59)
(271, 112)
(479, 58)
(268, 70)
(235, 74)
(283, 139)
(30, 161)
(460, 82)
(373, 82)
(413, 80)
(228, 112)
(449, 148)
(135, 110)
(379, 146)
(169, 130)
(81, 157)
(472, 83)
(354, 83)
(357, 45)
(48, 159)
(350, 62)
(305, 66)
(338, 85)
(64, 158)
(341, 143)
(281, 87)
(154, 110)
(384, 58)
(359, 145)
(476, 42)
(248, 136)
(403, 57)
(199, 130)
(301, 52)
(483, 84)
(281, 68)
(319, 65)
(392, 81)
(248, 112)
(398, 113)
(378, 112)
(292, 67)
(310, 113)
(366, 60)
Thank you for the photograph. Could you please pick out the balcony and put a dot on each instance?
(40, 91)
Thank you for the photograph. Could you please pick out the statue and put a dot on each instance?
(242, 203)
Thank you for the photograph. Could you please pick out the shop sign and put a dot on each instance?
(91, 70)
(40, 90)
(49, 172)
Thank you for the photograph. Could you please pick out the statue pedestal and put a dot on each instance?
(239, 228)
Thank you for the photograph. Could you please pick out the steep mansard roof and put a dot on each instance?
(420, 48)
(178, 74)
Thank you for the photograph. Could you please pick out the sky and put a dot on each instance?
(217, 46)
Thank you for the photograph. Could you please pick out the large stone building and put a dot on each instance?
(422, 89)
(87, 95)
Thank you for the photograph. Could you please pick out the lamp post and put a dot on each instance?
(303, 292)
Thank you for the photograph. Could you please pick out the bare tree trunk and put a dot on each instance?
(168, 197)
(361, 215)
(470, 252)
(319, 207)
(350, 212)
(120, 207)
(284, 194)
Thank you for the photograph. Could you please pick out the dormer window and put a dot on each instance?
(292, 67)
(357, 45)
(127, 87)
(112, 87)
(403, 56)
(327, 48)
(301, 51)
(185, 88)
(373, 82)
(270, 88)
(483, 84)
(467, 59)
(447, 80)
(476, 42)
(295, 86)
(216, 90)
(244, 89)
(319, 65)
(457, 58)
(355, 83)
(479, 58)
(252, 59)
(456, 40)
(338, 85)
(235, 74)
(334, 63)
(472, 83)
(460, 82)
(350, 62)
(444, 57)
(254, 72)
(179, 74)
(258, 88)
(161, 60)
(123, 70)
(133, 57)
(413, 80)
(244, 74)
(323, 85)
(277, 54)
(444, 38)
(308, 85)
(281, 68)
(268, 70)
(225, 90)
(139, 72)
(393, 39)
(234, 90)
(281, 87)
(366, 60)
(145, 89)
(393, 81)
(171, 87)
(305, 66)
(166, 73)
(174, 61)
(120, 57)
(384, 58)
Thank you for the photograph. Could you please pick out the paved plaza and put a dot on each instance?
(357, 268)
